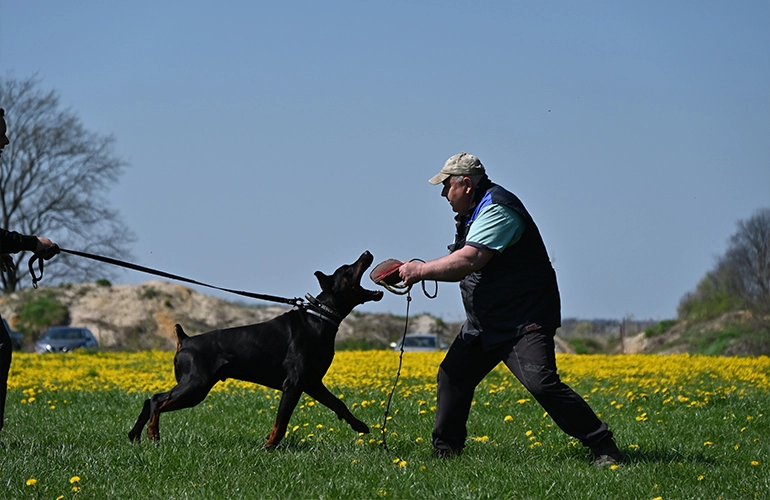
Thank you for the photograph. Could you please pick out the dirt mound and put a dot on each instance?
(688, 336)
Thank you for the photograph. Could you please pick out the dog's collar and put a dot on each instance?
(322, 311)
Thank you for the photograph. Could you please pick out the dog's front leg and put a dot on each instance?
(136, 433)
(321, 394)
(289, 401)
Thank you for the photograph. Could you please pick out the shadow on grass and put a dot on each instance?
(666, 456)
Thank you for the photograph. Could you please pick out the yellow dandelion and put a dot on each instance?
(75, 489)
(614, 466)
(31, 481)
(754, 463)
(508, 418)
(402, 464)
(701, 477)
(708, 443)
(74, 479)
(418, 439)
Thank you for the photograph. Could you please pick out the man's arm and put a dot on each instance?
(453, 267)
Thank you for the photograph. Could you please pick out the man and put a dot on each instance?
(512, 308)
(11, 242)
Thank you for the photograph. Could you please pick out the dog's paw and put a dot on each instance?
(359, 426)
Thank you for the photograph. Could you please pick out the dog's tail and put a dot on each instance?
(181, 336)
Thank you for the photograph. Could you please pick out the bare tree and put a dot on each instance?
(748, 260)
(741, 277)
(54, 178)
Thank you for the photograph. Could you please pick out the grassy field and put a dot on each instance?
(692, 427)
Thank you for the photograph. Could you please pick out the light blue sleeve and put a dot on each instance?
(497, 227)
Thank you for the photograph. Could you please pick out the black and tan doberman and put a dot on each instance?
(291, 352)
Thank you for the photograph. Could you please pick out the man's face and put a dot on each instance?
(3, 138)
(458, 190)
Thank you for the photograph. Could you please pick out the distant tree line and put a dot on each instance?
(741, 277)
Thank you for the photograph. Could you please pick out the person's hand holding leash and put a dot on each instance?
(411, 272)
(44, 245)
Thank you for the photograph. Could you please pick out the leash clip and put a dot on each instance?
(40, 257)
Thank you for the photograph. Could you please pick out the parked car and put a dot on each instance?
(16, 337)
(420, 342)
(64, 339)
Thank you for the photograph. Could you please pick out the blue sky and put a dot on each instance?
(267, 140)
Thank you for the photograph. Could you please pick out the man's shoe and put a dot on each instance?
(606, 453)
(446, 452)
(607, 460)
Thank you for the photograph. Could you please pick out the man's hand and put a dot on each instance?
(44, 244)
(410, 272)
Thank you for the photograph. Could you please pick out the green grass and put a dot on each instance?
(659, 328)
(716, 342)
(213, 451)
(583, 345)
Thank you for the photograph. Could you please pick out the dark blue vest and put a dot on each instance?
(516, 292)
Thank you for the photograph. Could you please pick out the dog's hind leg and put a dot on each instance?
(181, 396)
(289, 401)
(321, 394)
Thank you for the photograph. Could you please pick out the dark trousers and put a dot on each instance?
(532, 359)
(5, 365)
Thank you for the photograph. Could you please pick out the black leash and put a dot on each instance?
(47, 255)
(398, 372)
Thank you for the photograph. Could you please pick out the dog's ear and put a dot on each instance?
(326, 282)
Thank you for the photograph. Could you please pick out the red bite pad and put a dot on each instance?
(387, 272)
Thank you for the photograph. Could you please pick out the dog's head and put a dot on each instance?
(344, 286)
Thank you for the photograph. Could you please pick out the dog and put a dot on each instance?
(291, 352)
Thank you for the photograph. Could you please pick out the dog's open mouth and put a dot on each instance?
(364, 261)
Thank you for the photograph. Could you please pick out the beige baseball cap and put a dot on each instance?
(459, 164)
